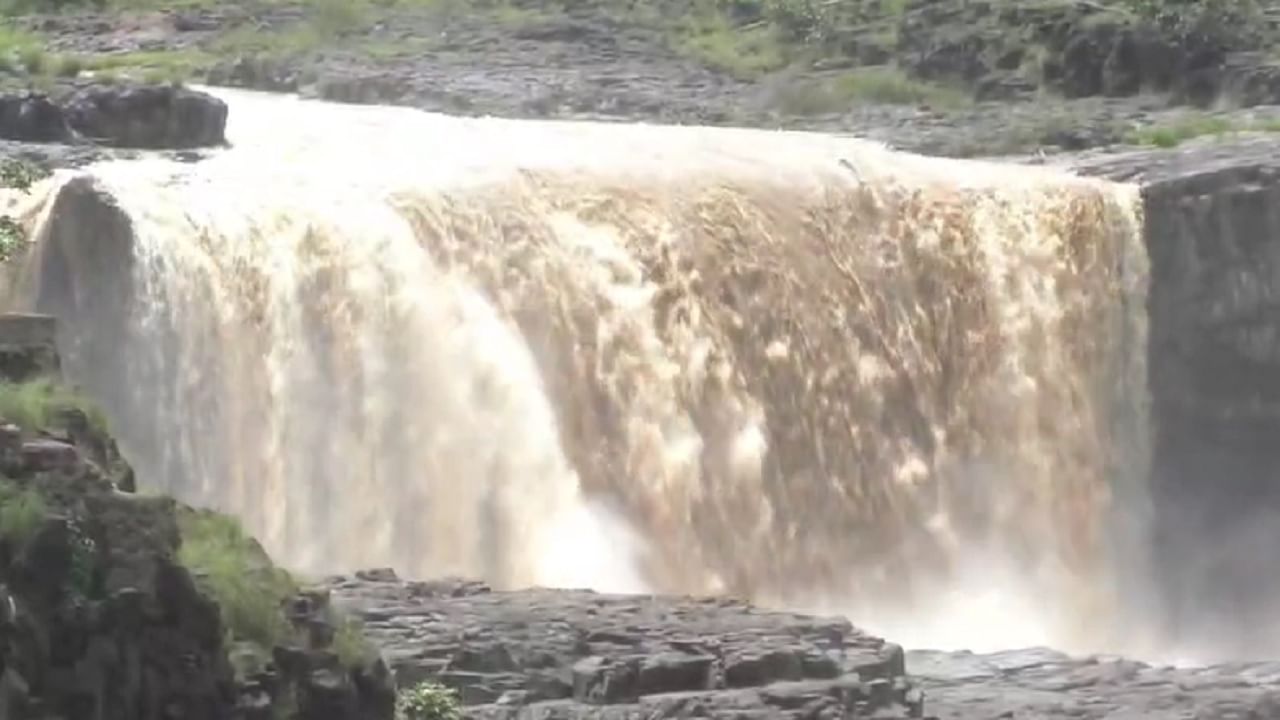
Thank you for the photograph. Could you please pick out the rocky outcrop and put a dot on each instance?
(127, 116)
(1083, 49)
(100, 622)
(28, 347)
(1213, 237)
(32, 117)
(1047, 685)
(147, 116)
(100, 619)
(577, 654)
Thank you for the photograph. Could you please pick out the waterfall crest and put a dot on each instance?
(799, 368)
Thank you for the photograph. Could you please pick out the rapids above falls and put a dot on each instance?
(797, 368)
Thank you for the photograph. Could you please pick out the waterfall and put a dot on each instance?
(803, 369)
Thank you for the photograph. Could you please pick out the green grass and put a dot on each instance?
(168, 64)
(25, 53)
(743, 52)
(325, 24)
(15, 43)
(1173, 134)
(21, 512)
(872, 85)
(252, 594)
(234, 570)
(35, 404)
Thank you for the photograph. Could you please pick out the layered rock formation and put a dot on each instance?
(1046, 685)
(1212, 226)
(577, 654)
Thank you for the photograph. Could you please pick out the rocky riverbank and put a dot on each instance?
(566, 653)
(578, 654)
(949, 78)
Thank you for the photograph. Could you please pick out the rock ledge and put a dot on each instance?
(575, 653)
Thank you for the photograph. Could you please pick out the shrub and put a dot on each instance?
(17, 175)
(1221, 24)
(12, 237)
(744, 53)
(21, 512)
(237, 573)
(349, 643)
(34, 60)
(428, 701)
(67, 66)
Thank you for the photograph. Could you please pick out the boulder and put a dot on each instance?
(32, 117)
(147, 116)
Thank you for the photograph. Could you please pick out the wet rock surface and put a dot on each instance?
(141, 116)
(577, 654)
(1212, 234)
(562, 653)
(1047, 685)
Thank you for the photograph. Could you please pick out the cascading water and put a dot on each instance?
(794, 367)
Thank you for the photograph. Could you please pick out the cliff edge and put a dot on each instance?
(116, 605)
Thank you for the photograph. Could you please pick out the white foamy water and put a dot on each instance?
(798, 368)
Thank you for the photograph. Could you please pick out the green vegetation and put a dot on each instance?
(428, 701)
(36, 404)
(83, 558)
(21, 512)
(252, 594)
(1174, 134)
(235, 571)
(1224, 23)
(349, 643)
(744, 52)
(20, 176)
(882, 85)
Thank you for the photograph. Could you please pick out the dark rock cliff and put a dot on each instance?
(1213, 236)
(101, 618)
(130, 116)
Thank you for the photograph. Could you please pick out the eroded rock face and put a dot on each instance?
(570, 654)
(123, 116)
(99, 620)
(102, 623)
(1213, 236)
(151, 116)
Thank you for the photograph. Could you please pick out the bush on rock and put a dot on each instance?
(428, 701)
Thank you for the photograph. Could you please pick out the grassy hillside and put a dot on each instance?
(743, 38)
